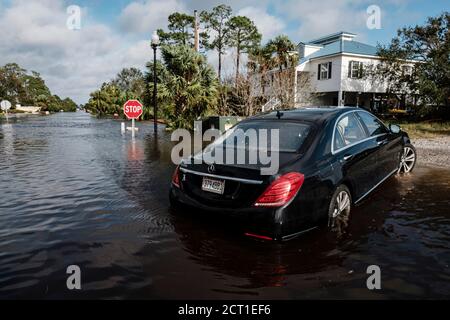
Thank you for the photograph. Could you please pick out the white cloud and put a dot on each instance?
(318, 18)
(268, 25)
(73, 63)
(147, 16)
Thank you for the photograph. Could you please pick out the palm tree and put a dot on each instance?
(282, 46)
(260, 62)
(190, 83)
(259, 59)
(107, 100)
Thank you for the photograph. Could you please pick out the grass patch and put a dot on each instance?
(427, 129)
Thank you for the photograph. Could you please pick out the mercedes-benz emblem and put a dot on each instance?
(211, 168)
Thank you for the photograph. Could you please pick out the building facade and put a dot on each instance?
(335, 66)
(334, 70)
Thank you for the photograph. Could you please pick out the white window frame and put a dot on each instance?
(324, 71)
(356, 73)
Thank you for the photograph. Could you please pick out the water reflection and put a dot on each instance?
(76, 191)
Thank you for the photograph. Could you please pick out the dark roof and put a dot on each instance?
(313, 114)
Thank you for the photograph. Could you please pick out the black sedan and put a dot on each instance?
(329, 160)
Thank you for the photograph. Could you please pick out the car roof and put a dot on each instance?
(311, 114)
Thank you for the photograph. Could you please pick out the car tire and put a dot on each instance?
(339, 210)
(408, 159)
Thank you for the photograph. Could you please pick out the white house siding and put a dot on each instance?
(28, 109)
(326, 85)
(359, 85)
(306, 50)
(339, 75)
(328, 89)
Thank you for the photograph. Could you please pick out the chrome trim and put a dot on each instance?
(333, 152)
(293, 235)
(203, 174)
(347, 157)
(373, 188)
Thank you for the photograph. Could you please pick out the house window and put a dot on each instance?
(324, 71)
(355, 69)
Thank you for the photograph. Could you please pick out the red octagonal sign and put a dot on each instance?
(133, 109)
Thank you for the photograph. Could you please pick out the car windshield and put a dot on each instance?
(261, 135)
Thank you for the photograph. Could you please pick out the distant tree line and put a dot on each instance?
(110, 98)
(19, 86)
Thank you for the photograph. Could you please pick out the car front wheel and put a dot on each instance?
(339, 210)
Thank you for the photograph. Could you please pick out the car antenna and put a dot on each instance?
(279, 114)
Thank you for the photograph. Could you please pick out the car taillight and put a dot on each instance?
(281, 191)
(176, 177)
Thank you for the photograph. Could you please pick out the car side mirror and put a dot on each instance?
(394, 128)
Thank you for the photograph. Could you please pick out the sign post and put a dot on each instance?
(5, 106)
(133, 109)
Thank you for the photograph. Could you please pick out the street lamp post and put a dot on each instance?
(155, 44)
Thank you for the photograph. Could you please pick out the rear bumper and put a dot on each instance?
(266, 222)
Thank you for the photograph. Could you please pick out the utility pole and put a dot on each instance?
(196, 32)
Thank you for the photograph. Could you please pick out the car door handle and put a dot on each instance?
(381, 143)
(347, 157)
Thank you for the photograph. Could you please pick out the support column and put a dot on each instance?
(295, 87)
(340, 98)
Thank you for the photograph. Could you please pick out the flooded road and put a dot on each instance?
(74, 191)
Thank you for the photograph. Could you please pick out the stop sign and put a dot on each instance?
(132, 109)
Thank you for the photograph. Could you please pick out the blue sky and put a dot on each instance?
(114, 34)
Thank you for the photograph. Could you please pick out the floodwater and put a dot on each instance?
(74, 191)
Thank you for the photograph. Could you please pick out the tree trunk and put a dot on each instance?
(220, 57)
(237, 62)
(220, 66)
(238, 51)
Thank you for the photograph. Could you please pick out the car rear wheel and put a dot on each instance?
(407, 159)
(339, 210)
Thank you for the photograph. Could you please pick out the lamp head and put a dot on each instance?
(155, 39)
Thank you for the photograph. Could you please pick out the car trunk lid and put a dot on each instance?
(243, 184)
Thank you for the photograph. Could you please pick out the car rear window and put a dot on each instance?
(292, 135)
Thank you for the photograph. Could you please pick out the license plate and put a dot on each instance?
(214, 186)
